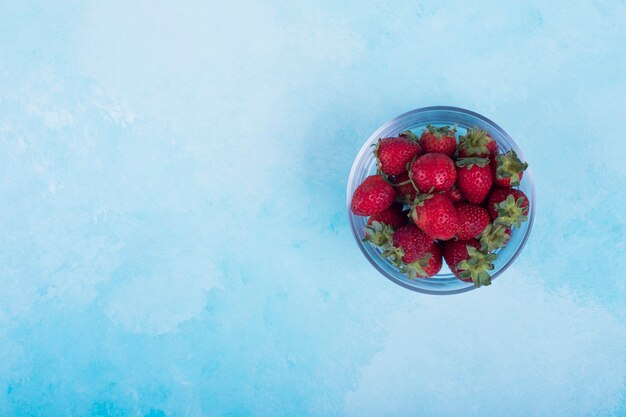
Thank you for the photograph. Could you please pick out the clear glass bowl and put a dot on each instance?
(443, 283)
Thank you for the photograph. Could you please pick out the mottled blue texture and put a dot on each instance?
(174, 239)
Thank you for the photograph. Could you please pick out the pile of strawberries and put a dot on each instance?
(433, 197)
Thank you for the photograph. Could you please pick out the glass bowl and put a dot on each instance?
(444, 283)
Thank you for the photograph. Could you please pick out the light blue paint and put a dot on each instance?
(174, 241)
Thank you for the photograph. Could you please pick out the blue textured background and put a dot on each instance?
(174, 240)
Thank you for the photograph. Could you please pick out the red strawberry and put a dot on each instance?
(454, 194)
(414, 252)
(439, 139)
(473, 220)
(395, 153)
(467, 262)
(508, 206)
(404, 188)
(507, 169)
(372, 196)
(478, 143)
(433, 171)
(435, 215)
(393, 216)
(434, 262)
(412, 242)
(474, 178)
(381, 225)
(494, 237)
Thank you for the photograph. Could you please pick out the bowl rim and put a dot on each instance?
(367, 148)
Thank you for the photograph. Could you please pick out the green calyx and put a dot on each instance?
(441, 131)
(393, 254)
(493, 237)
(510, 166)
(475, 142)
(416, 269)
(470, 162)
(409, 135)
(378, 234)
(420, 198)
(419, 201)
(510, 212)
(476, 266)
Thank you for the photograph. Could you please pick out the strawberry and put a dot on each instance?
(439, 139)
(372, 196)
(434, 262)
(433, 172)
(393, 216)
(404, 188)
(411, 242)
(381, 225)
(454, 194)
(395, 153)
(508, 206)
(473, 220)
(378, 234)
(435, 215)
(478, 143)
(414, 252)
(467, 262)
(474, 178)
(507, 169)
(494, 236)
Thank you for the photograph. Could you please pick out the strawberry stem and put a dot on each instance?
(470, 162)
(510, 166)
(378, 234)
(416, 269)
(493, 237)
(474, 142)
(510, 212)
(476, 266)
(441, 131)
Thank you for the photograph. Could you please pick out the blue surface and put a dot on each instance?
(174, 239)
